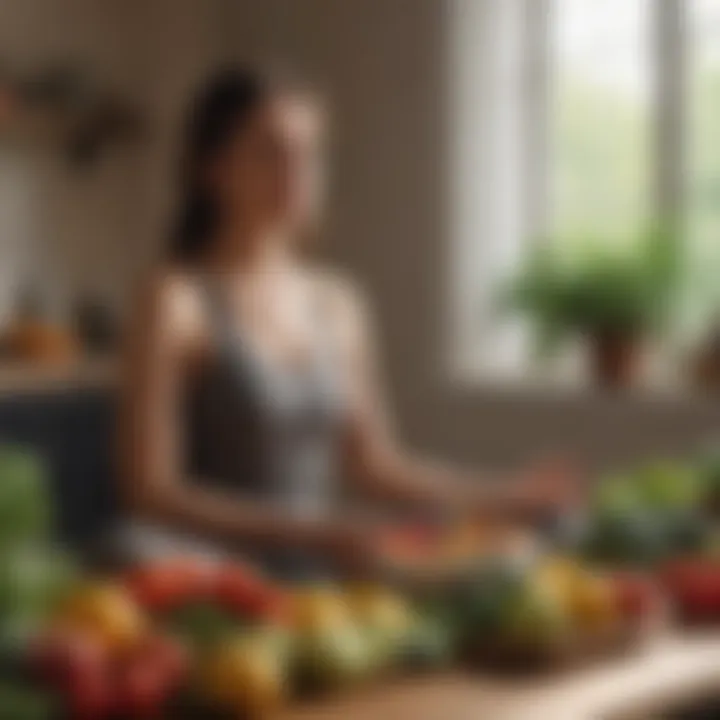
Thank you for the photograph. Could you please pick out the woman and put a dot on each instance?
(251, 384)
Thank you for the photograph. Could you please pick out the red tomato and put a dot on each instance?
(694, 584)
(636, 595)
(245, 593)
(237, 588)
(143, 689)
(270, 605)
(701, 594)
(78, 668)
(90, 695)
(408, 541)
(674, 573)
(166, 585)
(168, 655)
(63, 655)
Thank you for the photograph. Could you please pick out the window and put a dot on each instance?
(703, 137)
(573, 116)
(600, 117)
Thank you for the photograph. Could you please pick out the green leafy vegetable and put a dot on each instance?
(203, 624)
(26, 702)
(595, 289)
(25, 505)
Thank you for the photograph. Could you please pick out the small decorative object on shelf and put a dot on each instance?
(67, 107)
(96, 326)
(31, 338)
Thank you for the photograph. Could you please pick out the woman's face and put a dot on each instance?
(271, 175)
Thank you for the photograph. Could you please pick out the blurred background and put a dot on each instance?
(528, 189)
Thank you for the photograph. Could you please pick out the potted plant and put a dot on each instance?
(614, 298)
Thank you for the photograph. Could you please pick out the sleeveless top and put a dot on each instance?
(259, 429)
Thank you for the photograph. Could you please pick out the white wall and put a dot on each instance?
(90, 231)
(385, 67)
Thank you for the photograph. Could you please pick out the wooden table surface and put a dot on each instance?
(671, 671)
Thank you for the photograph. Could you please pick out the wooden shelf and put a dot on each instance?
(24, 378)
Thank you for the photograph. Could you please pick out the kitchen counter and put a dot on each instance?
(672, 671)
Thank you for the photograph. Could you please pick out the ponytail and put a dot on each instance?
(222, 109)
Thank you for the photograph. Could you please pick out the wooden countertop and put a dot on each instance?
(671, 671)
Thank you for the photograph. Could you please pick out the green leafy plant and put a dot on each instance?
(590, 287)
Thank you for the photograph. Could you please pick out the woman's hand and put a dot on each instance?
(549, 489)
(350, 544)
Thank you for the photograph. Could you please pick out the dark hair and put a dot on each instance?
(221, 109)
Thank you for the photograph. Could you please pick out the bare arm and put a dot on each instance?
(151, 438)
(382, 467)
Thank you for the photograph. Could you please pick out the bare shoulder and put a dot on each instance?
(169, 301)
(346, 307)
(342, 295)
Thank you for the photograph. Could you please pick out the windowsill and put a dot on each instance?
(661, 390)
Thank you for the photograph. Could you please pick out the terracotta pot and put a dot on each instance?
(615, 358)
